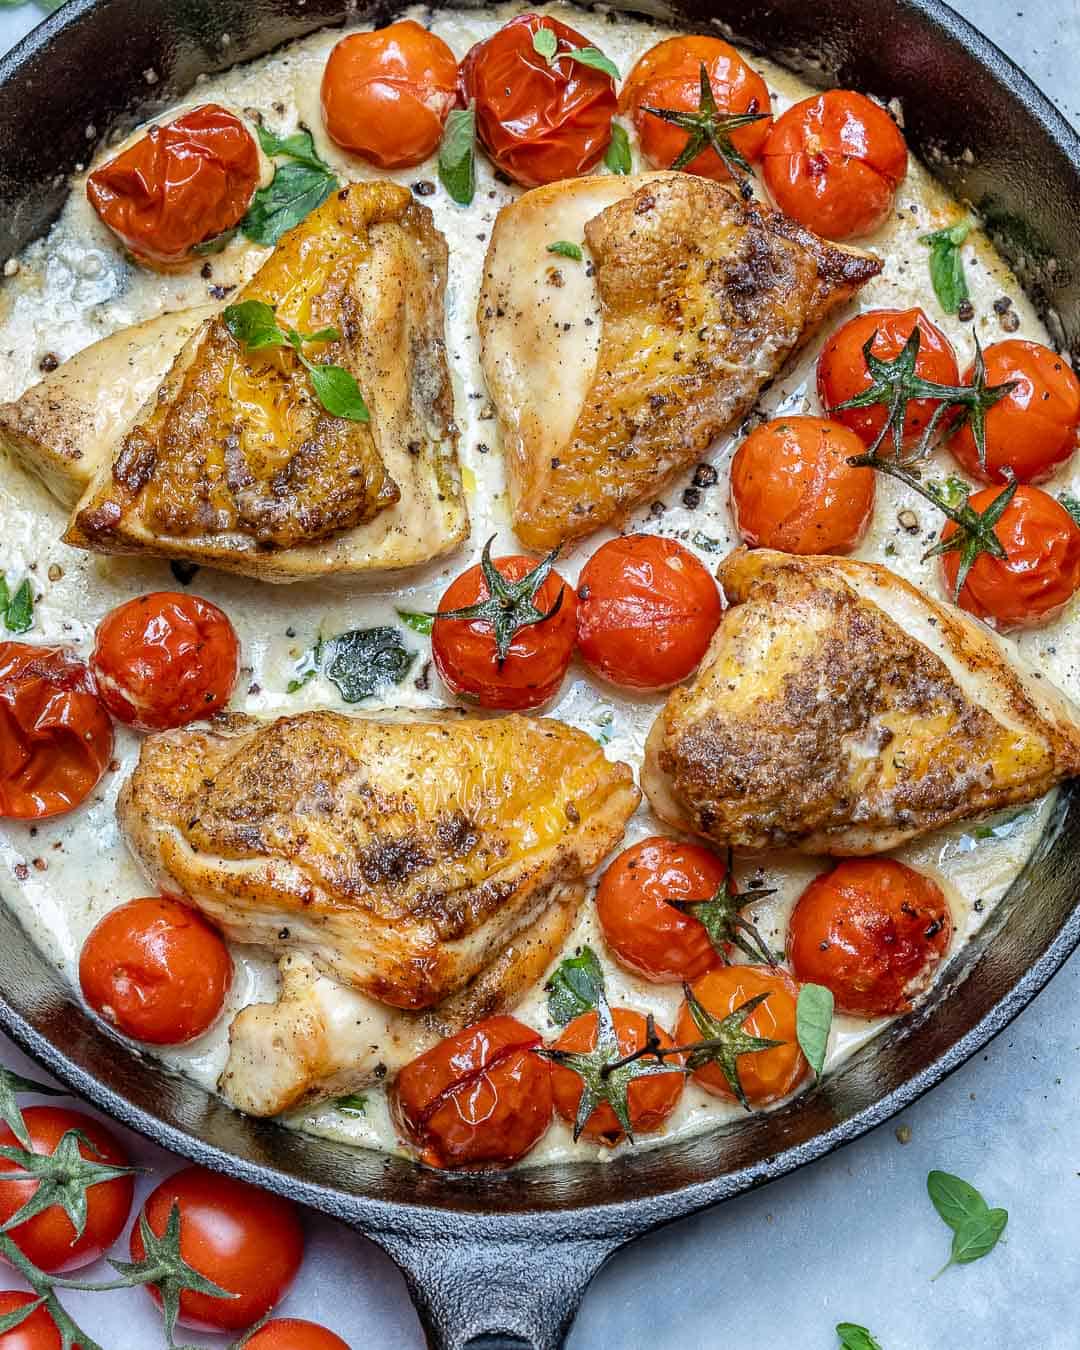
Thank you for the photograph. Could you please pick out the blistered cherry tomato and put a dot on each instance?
(842, 372)
(478, 1099)
(386, 94)
(1033, 428)
(156, 970)
(165, 659)
(647, 610)
(669, 76)
(55, 735)
(179, 185)
(246, 1240)
(290, 1333)
(539, 120)
(793, 489)
(834, 162)
(872, 930)
(1040, 573)
(36, 1332)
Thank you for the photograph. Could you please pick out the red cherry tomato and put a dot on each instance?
(36, 1332)
(842, 373)
(55, 735)
(478, 1099)
(179, 185)
(793, 489)
(165, 659)
(1033, 428)
(1038, 576)
(669, 76)
(873, 931)
(290, 1333)
(834, 162)
(647, 610)
(539, 120)
(386, 95)
(645, 933)
(156, 970)
(246, 1240)
(48, 1239)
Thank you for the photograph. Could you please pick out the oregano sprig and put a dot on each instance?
(709, 128)
(547, 43)
(296, 189)
(976, 1227)
(722, 919)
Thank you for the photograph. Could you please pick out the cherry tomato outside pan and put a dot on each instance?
(290, 1333)
(36, 1332)
(56, 738)
(539, 121)
(178, 185)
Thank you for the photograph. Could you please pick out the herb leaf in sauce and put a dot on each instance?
(565, 249)
(300, 146)
(575, 987)
(617, 156)
(296, 189)
(17, 609)
(1071, 505)
(947, 264)
(1001, 829)
(365, 660)
(953, 490)
(854, 1337)
(353, 1104)
(419, 623)
(813, 1019)
(306, 668)
(457, 155)
(706, 542)
(976, 1227)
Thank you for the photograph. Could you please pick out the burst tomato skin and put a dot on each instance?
(36, 1332)
(291, 1333)
(647, 610)
(1033, 428)
(246, 1240)
(478, 1099)
(178, 185)
(48, 1239)
(56, 738)
(165, 659)
(834, 162)
(1041, 570)
(669, 76)
(842, 373)
(156, 970)
(386, 95)
(793, 489)
(538, 122)
(872, 930)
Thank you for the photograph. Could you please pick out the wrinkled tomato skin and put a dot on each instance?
(290, 1333)
(873, 931)
(647, 610)
(793, 489)
(48, 1239)
(842, 373)
(464, 649)
(1032, 429)
(36, 1332)
(156, 970)
(56, 738)
(386, 95)
(478, 1099)
(539, 123)
(644, 932)
(165, 659)
(669, 76)
(650, 1099)
(1038, 576)
(178, 185)
(834, 162)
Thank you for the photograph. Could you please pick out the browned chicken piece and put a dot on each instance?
(839, 710)
(700, 296)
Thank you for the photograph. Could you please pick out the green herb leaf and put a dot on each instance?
(706, 542)
(419, 623)
(254, 324)
(953, 491)
(947, 265)
(354, 1104)
(457, 155)
(575, 987)
(306, 668)
(1002, 829)
(338, 392)
(365, 660)
(976, 1227)
(565, 249)
(545, 44)
(977, 1237)
(5, 595)
(617, 157)
(594, 57)
(296, 190)
(215, 244)
(813, 1018)
(854, 1337)
(20, 611)
(299, 146)
(1071, 505)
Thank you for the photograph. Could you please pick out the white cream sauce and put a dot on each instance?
(74, 286)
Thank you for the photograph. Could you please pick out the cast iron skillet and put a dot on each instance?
(512, 1254)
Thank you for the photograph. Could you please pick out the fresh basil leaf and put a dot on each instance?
(854, 1337)
(575, 987)
(457, 155)
(296, 190)
(5, 594)
(947, 265)
(1070, 504)
(338, 392)
(419, 623)
(976, 1238)
(545, 44)
(953, 490)
(353, 1104)
(565, 249)
(365, 660)
(594, 57)
(813, 1018)
(617, 156)
(215, 244)
(299, 146)
(20, 610)
(253, 323)
(706, 542)
(330, 334)
(955, 1199)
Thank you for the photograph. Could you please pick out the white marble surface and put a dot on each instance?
(852, 1238)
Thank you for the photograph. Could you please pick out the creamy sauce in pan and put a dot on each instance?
(74, 286)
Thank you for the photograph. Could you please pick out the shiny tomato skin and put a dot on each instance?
(156, 970)
(793, 489)
(56, 739)
(464, 649)
(291, 1333)
(1041, 570)
(539, 123)
(669, 76)
(766, 1075)
(36, 1332)
(386, 95)
(478, 1099)
(834, 162)
(647, 610)
(178, 185)
(48, 1239)
(165, 659)
(246, 1240)
(644, 932)
(1033, 428)
(842, 373)
(651, 1099)
(872, 930)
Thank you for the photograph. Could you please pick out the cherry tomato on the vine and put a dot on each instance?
(290, 1333)
(36, 1332)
